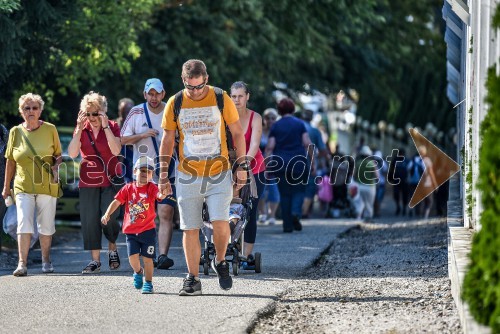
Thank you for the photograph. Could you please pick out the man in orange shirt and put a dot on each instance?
(204, 172)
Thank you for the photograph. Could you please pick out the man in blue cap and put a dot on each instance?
(142, 129)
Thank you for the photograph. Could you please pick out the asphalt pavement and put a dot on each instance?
(67, 301)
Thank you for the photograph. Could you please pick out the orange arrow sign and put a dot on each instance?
(439, 167)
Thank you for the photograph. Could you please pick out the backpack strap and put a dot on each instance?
(155, 143)
(177, 104)
(219, 96)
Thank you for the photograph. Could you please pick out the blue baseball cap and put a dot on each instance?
(155, 84)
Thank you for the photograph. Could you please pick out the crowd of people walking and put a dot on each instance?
(199, 147)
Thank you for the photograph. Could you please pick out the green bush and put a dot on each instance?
(481, 289)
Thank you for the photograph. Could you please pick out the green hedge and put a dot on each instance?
(482, 282)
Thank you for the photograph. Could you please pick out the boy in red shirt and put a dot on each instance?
(139, 221)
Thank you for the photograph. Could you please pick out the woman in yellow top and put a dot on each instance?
(33, 156)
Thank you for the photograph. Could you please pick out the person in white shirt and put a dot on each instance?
(142, 129)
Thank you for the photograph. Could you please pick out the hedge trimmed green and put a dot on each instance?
(481, 289)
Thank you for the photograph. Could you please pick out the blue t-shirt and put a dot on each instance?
(288, 133)
(315, 137)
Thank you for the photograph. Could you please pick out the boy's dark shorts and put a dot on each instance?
(142, 243)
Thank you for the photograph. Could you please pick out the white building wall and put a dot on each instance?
(476, 57)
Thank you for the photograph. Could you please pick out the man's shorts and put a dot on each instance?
(142, 243)
(216, 191)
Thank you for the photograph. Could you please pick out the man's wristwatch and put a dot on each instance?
(243, 165)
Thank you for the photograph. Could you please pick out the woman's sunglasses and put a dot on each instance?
(30, 108)
(95, 114)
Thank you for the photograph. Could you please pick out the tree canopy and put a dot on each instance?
(392, 52)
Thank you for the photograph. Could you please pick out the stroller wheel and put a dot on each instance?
(235, 268)
(236, 262)
(206, 262)
(205, 268)
(258, 262)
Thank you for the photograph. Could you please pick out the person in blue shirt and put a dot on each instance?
(287, 150)
(320, 153)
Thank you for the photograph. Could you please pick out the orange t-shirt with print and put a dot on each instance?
(202, 145)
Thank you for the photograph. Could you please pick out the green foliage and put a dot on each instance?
(496, 19)
(8, 6)
(55, 48)
(482, 281)
(62, 49)
(407, 83)
(248, 40)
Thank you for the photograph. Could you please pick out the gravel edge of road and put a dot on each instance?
(270, 308)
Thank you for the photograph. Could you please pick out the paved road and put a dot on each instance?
(67, 301)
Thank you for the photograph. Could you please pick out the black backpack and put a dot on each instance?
(219, 96)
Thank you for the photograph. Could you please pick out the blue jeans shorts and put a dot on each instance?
(311, 188)
(142, 243)
(271, 193)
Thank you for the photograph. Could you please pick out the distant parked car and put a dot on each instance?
(69, 174)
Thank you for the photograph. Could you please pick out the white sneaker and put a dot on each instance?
(262, 219)
(271, 221)
(47, 267)
(20, 271)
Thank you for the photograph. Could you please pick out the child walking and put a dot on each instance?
(139, 221)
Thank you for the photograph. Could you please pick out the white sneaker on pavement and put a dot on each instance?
(20, 271)
(271, 221)
(47, 267)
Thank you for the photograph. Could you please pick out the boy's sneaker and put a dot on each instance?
(164, 262)
(114, 260)
(222, 270)
(47, 267)
(191, 286)
(20, 271)
(147, 288)
(138, 282)
(262, 219)
(93, 267)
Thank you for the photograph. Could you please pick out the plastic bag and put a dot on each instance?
(10, 225)
(325, 192)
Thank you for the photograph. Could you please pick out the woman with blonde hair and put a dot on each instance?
(97, 139)
(33, 156)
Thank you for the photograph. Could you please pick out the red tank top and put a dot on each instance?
(257, 164)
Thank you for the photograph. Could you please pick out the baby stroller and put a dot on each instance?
(239, 216)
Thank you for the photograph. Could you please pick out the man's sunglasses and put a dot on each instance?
(200, 86)
(95, 114)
